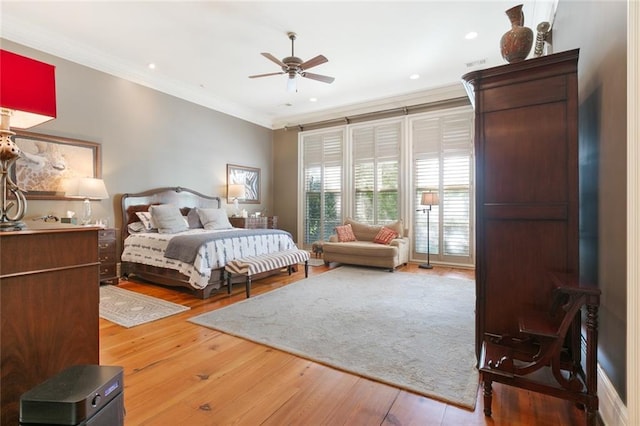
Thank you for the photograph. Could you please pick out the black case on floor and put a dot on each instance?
(80, 395)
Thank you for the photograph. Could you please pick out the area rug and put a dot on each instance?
(412, 331)
(128, 308)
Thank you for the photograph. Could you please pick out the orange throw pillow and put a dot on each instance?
(385, 235)
(345, 233)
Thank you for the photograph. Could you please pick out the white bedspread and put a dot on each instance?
(149, 248)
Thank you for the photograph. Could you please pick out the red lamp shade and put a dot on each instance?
(28, 88)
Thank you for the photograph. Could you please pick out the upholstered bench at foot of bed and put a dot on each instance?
(252, 265)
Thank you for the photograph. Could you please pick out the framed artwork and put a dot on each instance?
(48, 162)
(250, 178)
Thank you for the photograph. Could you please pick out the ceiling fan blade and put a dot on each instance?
(266, 75)
(272, 58)
(320, 59)
(323, 78)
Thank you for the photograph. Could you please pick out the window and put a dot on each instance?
(361, 170)
(442, 162)
(323, 177)
(376, 155)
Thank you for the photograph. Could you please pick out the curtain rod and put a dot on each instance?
(392, 112)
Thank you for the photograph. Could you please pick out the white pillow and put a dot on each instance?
(147, 221)
(136, 227)
(214, 218)
(168, 218)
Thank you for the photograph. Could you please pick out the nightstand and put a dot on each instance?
(107, 256)
(264, 222)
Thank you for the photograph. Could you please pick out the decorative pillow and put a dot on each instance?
(147, 220)
(345, 233)
(397, 226)
(214, 218)
(136, 228)
(168, 219)
(385, 235)
(193, 219)
(132, 210)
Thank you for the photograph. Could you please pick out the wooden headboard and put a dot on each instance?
(182, 197)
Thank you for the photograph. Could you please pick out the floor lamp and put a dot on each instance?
(428, 199)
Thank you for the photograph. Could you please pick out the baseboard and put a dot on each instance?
(611, 408)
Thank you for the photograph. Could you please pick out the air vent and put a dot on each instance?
(476, 63)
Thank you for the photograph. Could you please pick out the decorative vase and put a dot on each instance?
(516, 43)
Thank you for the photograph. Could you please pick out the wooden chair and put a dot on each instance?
(546, 356)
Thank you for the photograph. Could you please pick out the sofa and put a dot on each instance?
(383, 246)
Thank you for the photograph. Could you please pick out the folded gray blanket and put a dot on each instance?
(185, 247)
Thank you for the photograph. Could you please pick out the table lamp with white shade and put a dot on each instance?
(235, 191)
(89, 189)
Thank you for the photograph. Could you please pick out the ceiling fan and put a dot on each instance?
(294, 66)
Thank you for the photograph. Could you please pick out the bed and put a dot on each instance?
(198, 267)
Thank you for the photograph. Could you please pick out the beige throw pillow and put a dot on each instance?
(168, 218)
(214, 218)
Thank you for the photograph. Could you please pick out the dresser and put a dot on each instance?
(49, 307)
(107, 255)
(264, 222)
(526, 148)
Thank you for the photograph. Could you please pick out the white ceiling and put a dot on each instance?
(204, 51)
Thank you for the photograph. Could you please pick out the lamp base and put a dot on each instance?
(425, 266)
(86, 218)
(12, 225)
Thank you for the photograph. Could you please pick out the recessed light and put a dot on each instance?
(152, 66)
(414, 76)
(471, 35)
(313, 99)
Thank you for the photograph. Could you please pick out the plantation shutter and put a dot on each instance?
(376, 155)
(442, 157)
(322, 168)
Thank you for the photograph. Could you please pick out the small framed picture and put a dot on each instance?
(247, 176)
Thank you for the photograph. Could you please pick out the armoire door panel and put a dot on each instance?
(519, 255)
(521, 165)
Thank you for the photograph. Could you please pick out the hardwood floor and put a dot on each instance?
(178, 373)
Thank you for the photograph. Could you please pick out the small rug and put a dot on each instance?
(128, 308)
(412, 331)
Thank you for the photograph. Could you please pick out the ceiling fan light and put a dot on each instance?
(292, 84)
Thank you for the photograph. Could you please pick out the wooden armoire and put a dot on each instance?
(526, 148)
(529, 298)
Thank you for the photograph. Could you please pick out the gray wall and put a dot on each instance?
(148, 139)
(598, 28)
(285, 179)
